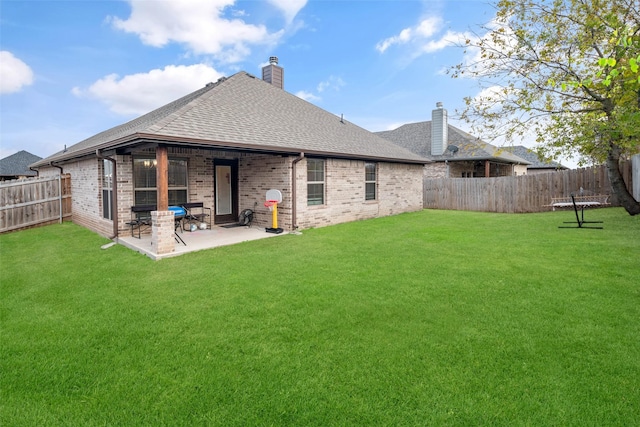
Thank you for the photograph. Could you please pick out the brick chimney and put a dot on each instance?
(439, 127)
(273, 74)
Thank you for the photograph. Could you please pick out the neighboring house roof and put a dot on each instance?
(243, 112)
(533, 158)
(416, 137)
(18, 164)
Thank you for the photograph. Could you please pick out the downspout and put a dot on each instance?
(294, 198)
(59, 189)
(114, 193)
(52, 164)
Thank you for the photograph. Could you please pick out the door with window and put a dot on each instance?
(226, 191)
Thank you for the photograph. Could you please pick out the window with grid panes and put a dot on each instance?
(107, 189)
(144, 181)
(315, 182)
(370, 181)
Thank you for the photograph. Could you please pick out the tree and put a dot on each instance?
(566, 71)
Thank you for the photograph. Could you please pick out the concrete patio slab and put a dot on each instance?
(197, 240)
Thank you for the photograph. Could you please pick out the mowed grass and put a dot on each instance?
(427, 318)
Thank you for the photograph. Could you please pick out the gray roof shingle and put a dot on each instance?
(18, 164)
(416, 137)
(532, 157)
(244, 112)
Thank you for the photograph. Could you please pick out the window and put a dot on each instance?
(370, 181)
(144, 181)
(107, 189)
(315, 182)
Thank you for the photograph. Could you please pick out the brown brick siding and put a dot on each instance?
(399, 189)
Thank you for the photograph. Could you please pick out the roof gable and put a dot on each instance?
(244, 112)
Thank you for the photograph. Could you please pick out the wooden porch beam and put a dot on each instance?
(487, 169)
(162, 178)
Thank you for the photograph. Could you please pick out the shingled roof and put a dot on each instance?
(416, 137)
(531, 156)
(18, 164)
(243, 112)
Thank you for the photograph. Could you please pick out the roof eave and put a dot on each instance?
(136, 139)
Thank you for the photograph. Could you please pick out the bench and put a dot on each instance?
(580, 202)
(140, 218)
(196, 214)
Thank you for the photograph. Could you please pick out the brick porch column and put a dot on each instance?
(162, 232)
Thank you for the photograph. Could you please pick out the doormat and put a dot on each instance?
(232, 225)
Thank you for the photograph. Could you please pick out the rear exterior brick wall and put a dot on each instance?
(399, 188)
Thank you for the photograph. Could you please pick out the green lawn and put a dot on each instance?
(429, 318)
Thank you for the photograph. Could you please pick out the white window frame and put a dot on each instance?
(107, 189)
(370, 182)
(315, 182)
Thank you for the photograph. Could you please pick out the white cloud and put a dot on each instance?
(200, 25)
(423, 38)
(425, 29)
(14, 73)
(290, 8)
(498, 38)
(403, 37)
(490, 97)
(451, 38)
(137, 94)
(333, 83)
(307, 96)
(428, 27)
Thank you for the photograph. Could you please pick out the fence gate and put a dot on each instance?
(34, 201)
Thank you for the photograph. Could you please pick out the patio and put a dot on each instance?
(197, 240)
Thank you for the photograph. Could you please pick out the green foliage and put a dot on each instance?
(568, 71)
(428, 318)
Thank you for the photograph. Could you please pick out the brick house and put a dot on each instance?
(453, 152)
(226, 145)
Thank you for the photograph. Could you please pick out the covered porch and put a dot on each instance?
(483, 169)
(197, 240)
(154, 178)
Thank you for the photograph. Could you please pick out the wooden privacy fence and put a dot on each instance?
(517, 194)
(34, 201)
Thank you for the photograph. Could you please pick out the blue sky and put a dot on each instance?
(71, 69)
